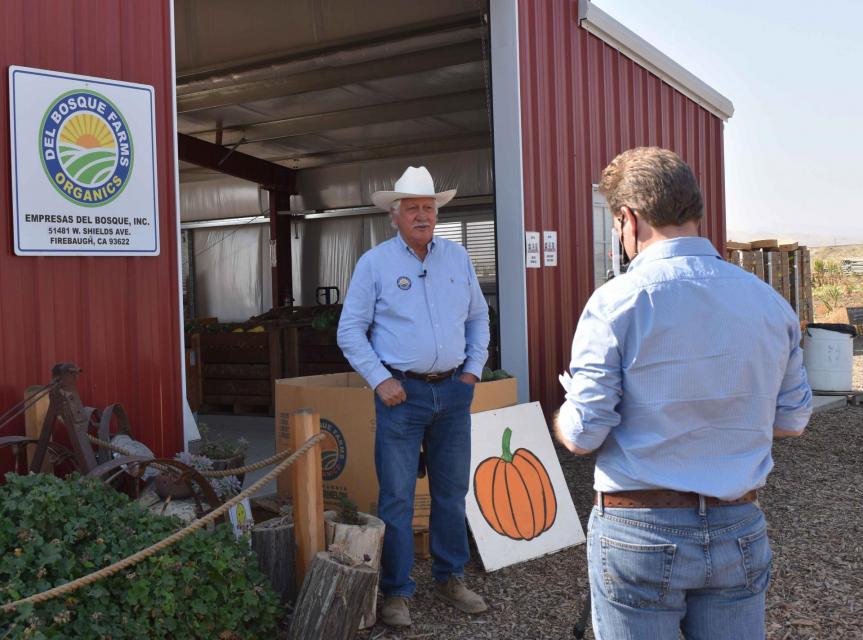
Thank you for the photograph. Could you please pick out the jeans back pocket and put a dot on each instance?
(756, 553)
(637, 575)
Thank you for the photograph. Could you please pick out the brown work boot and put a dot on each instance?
(395, 612)
(454, 593)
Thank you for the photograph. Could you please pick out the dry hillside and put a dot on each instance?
(837, 253)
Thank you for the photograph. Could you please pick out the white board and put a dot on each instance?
(518, 505)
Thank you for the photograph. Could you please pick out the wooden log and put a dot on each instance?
(273, 542)
(330, 604)
(364, 542)
(307, 485)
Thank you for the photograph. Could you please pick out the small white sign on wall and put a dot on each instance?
(518, 505)
(549, 248)
(83, 165)
(531, 247)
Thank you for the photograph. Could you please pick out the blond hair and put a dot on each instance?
(655, 182)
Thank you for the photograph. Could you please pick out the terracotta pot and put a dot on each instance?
(168, 485)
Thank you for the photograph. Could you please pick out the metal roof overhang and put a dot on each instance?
(633, 46)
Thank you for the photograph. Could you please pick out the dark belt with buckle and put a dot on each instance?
(664, 498)
(425, 377)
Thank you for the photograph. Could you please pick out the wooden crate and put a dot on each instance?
(776, 270)
(744, 259)
(807, 308)
(801, 284)
(238, 370)
(319, 353)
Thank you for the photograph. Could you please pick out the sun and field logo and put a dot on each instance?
(86, 148)
(334, 451)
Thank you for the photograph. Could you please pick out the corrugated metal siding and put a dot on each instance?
(583, 103)
(117, 318)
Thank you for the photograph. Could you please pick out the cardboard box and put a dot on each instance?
(347, 409)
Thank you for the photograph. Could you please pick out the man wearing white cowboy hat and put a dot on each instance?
(415, 326)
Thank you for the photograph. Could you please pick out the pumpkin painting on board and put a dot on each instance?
(518, 506)
(514, 493)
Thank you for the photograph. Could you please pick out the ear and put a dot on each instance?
(625, 213)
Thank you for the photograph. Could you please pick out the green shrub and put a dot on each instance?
(205, 586)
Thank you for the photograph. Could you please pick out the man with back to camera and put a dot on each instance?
(415, 326)
(683, 372)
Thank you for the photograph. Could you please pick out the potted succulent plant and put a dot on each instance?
(168, 484)
(224, 453)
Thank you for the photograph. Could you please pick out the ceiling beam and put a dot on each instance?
(362, 116)
(234, 163)
(462, 142)
(420, 147)
(277, 86)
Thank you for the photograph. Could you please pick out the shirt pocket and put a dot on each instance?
(458, 298)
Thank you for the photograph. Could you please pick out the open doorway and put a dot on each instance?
(289, 116)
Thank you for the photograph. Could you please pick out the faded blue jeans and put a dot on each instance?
(655, 572)
(437, 414)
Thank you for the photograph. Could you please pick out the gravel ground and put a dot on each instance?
(813, 502)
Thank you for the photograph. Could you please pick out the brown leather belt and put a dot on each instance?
(662, 498)
(425, 377)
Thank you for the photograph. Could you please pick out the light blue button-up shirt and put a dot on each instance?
(413, 315)
(681, 369)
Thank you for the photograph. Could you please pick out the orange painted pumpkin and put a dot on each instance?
(514, 493)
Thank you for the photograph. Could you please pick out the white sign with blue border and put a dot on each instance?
(83, 165)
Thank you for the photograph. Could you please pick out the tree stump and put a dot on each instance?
(360, 541)
(273, 542)
(331, 601)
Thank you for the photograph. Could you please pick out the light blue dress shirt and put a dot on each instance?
(413, 315)
(681, 369)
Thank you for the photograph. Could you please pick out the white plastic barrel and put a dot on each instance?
(828, 357)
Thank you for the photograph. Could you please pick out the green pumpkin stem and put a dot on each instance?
(507, 453)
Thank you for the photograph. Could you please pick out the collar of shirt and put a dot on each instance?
(429, 246)
(687, 246)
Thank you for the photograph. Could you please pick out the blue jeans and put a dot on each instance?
(437, 414)
(655, 572)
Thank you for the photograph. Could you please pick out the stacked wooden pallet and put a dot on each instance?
(785, 267)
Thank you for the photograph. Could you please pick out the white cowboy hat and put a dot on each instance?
(416, 182)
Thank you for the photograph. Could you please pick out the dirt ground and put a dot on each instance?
(813, 502)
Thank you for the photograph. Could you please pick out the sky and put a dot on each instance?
(794, 71)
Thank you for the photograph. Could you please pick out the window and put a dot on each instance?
(477, 236)
(601, 239)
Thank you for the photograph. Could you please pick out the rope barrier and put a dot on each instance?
(167, 542)
(220, 473)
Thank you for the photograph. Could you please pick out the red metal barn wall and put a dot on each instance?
(116, 317)
(582, 103)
